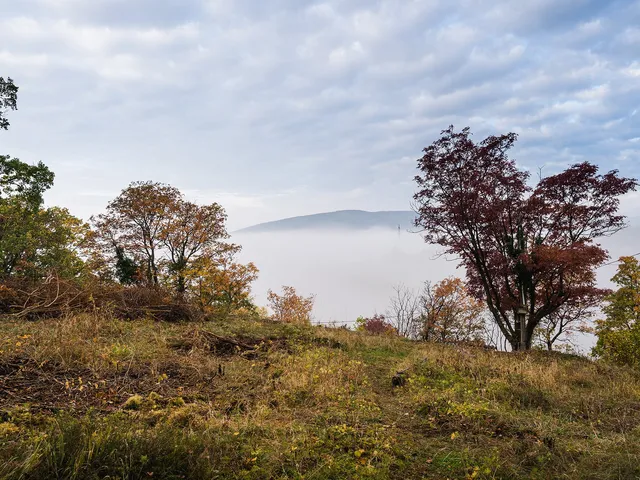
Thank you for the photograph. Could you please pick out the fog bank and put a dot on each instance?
(352, 273)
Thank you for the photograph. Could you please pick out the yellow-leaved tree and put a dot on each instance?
(450, 313)
(219, 282)
(291, 307)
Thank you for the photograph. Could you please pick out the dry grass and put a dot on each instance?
(95, 397)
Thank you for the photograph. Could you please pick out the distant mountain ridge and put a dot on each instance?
(341, 219)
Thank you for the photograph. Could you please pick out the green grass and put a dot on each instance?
(88, 397)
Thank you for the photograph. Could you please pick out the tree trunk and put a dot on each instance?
(516, 342)
(181, 286)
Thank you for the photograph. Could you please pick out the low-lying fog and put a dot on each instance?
(353, 272)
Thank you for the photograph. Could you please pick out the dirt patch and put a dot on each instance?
(327, 342)
(49, 386)
(248, 347)
(53, 387)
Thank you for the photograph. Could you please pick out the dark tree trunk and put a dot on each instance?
(181, 286)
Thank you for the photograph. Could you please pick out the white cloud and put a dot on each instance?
(95, 38)
(120, 67)
(632, 70)
(344, 56)
(591, 28)
(27, 61)
(596, 93)
(322, 10)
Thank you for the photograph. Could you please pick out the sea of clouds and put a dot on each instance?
(353, 273)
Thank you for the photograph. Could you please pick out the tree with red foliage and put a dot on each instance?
(527, 251)
(376, 325)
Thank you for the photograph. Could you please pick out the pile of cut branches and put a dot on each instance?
(54, 297)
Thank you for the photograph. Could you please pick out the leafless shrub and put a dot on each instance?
(404, 311)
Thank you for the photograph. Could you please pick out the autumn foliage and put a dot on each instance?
(521, 246)
(151, 235)
(530, 251)
(220, 283)
(450, 313)
(290, 307)
(152, 253)
(375, 325)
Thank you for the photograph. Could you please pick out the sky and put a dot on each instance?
(284, 108)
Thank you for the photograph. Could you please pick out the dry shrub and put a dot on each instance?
(54, 297)
(48, 298)
(223, 346)
(139, 302)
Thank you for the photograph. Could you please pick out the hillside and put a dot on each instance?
(342, 220)
(90, 397)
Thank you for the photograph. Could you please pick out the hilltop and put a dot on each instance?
(242, 397)
(341, 220)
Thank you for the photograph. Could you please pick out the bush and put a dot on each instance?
(291, 307)
(376, 325)
(619, 346)
(48, 298)
(619, 333)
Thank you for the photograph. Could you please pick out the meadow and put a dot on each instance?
(89, 396)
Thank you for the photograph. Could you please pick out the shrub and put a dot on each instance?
(619, 333)
(136, 302)
(291, 307)
(376, 325)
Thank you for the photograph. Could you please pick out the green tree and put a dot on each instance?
(24, 181)
(34, 239)
(61, 242)
(126, 269)
(619, 333)
(8, 100)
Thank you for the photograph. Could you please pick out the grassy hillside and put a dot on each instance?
(89, 397)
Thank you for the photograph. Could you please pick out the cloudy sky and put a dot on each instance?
(290, 107)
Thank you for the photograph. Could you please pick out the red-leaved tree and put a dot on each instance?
(527, 251)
